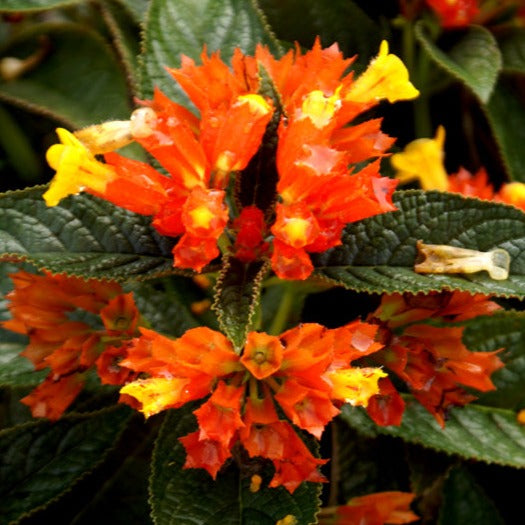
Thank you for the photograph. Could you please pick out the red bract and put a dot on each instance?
(431, 360)
(305, 370)
(455, 13)
(43, 307)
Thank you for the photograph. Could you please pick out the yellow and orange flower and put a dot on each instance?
(44, 307)
(316, 190)
(306, 371)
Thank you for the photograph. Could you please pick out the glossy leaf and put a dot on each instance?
(82, 236)
(378, 254)
(228, 500)
(237, 295)
(16, 370)
(505, 330)
(40, 460)
(474, 60)
(74, 57)
(512, 46)
(473, 432)
(466, 502)
(183, 27)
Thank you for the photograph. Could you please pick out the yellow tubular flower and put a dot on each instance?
(356, 385)
(422, 160)
(385, 78)
(76, 169)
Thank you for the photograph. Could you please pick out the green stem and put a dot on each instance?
(284, 310)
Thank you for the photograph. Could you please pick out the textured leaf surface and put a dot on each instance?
(42, 459)
(506, 115)
(474, 432)
(183, 27)
(238, 291)
(475, 59)
(378, 254)
(82, 236)
(190, 496)
(466, 502)
(56, 87)
(503, 330)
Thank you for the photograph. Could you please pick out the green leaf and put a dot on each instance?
(238, 291)
(16, 370)
(475, 59)
(512, 46)
(78, 81)
(474, 432)
(34, 5)
(466, 502)
(183, 27)
(137, 8)
(341, 21)
(378, 254)
(82, 236)
(228, 500)
(504, 330)
(505, 112)
(42, 459)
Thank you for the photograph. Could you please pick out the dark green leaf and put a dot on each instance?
(512, 46)
(474, 432)
(41, 460)
(82, 236)
(474, 60)
(183, 27)
(341, 21)
(16, 370)
(466, 502)
(74, 58)
(34, 5)
(505, 112)
(378, 254)
(189, 496)
(505, 330)
(137, 8)
(238, 291)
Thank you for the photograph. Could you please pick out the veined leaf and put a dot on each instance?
(512, 45)
(228, 500)
(237, 295)
(83, 236)
(475, 432)
(42, 459)
(16, 370)
(183, 27)
(475, 59)
(378, 254)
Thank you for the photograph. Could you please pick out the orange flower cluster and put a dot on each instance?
(430, 359)
(295, 144)
(377, 509)
(52, 310)
(305, 370)
(455, 13)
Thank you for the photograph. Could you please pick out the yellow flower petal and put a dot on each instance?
(76, 169)
(156, 394)
(385, 78)
(355, 385)
(422, 160)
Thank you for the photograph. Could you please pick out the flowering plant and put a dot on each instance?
(253, 288)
